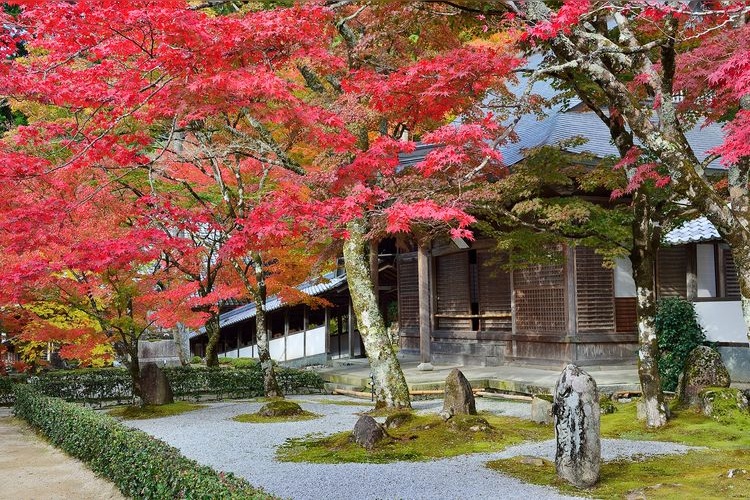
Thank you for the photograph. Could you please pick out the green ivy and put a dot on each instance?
(139, 465)
(94, 386)
(678, 332)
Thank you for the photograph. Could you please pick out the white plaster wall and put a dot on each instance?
(316, 341)
(276, 348)
(247, 352)
(722, 321)
(624, 284)
(230, 354)
(706, 270)
(295, 346)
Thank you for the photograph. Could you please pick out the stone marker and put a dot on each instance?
(367, 432)
(576, 414)
(459, 399)
(703, 368)
(155, 387)
(541, 410)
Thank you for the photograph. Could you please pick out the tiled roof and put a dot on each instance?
(313, 287)
(693, 231)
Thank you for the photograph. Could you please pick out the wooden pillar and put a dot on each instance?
(304, 330)
(425, 309)
(350, 327)
(513, 327)
(286, 330)
(570, 298)
(327, 319)
(238, 341)
(692, 272)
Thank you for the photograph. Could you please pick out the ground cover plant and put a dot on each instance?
(720, 470)
(153, 411)
(417, 438)
(139, 465)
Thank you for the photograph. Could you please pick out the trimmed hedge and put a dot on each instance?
(113, 384)
(6, 388)
(141, 466)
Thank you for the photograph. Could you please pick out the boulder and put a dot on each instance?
(703, 368)
(541, 409)
(280, 408)
(459, 399)
(722, 403)
(155, 388)
(367, 432)
(576, 415)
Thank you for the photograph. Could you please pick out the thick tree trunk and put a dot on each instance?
(646, 237)
(213, 333)
(391, 390)
(270, 384)
(134, 368)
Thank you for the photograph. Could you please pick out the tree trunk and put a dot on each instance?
(134, 368)
(646, 237)
(391, 390)
(270, 385)
(213, 332)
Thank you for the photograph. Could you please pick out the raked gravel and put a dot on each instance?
(211, 437)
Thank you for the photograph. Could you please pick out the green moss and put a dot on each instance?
(254, 418)
(687, 426)
(280, 408)
(423, 437)
(727, 405)
(152, 411)
(655, 477)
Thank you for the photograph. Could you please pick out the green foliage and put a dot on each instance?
(196, 360)
(243, 362)
(678, 332)
(141, 466)
(114, 384)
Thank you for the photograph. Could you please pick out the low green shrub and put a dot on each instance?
(141, 466)
(7, 397)
(678, 332)
(196, 360)
(93, 386)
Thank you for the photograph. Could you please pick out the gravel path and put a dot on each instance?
(211, 437)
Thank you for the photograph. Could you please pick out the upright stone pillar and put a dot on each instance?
(576, 414)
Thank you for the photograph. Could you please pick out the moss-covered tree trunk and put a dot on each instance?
(391, 390)
(213, 333)
(646, 237)
(270, 384)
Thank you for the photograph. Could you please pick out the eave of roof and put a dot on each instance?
(692, 231)
(313, 287)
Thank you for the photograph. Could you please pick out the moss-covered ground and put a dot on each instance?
(720, 471)
(149, 411)
(421, 437)
(254, 418)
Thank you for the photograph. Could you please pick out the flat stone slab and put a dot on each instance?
(33, 469)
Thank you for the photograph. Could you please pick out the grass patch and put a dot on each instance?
(153, 411)
(687, 426)
(698, 474)
(254, 418)
(423, 437)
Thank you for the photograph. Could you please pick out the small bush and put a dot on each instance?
(141, 466)
(243, 362)
(7, 397)
(678, 332)
(196, 360)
